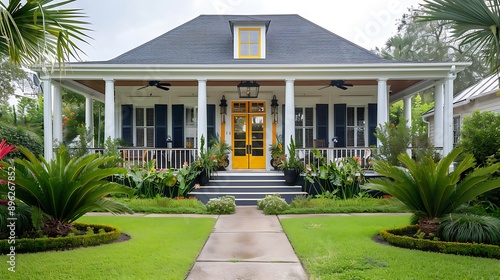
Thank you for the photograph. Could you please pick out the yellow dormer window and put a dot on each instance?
(249, 42)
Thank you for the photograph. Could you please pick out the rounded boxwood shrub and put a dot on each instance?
(222, 205)
(470, 228)
(102, 234)
(272, 204)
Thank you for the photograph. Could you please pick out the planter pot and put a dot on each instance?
(291, 176)
(203, 178)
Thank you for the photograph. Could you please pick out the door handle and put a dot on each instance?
(249, 149)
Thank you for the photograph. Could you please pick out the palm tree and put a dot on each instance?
(428, 189)
(40, 30)
(474, 23)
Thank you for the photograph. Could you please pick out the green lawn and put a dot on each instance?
(160, 248)
(342, 248)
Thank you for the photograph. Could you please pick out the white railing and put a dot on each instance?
(336, 154)
(165, 158)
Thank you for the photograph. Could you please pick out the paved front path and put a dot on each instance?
(247, 245)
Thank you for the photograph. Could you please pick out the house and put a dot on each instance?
(247, 78)
(481, 96)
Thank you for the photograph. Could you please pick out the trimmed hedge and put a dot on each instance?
(398, 238)
(31, 245)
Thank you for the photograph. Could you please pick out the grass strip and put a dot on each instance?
(160, 248)
(341, 247)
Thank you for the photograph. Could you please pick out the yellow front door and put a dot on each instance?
(249, 135)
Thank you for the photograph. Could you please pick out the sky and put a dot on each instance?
(121, 25)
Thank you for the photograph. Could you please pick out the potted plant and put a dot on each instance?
(277, 153)
(207, 162)
(291, 165)
(222, 152)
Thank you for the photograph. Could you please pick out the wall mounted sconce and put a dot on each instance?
(274, 109)
(248, 89)
(223, 109)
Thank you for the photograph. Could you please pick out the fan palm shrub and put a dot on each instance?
(66, 188)
(470, 228)
(429, 189)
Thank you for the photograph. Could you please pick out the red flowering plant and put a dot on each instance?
(5, 149)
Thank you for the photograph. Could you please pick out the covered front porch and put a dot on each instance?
(293, 102)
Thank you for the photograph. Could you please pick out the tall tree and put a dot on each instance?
(40, 31)
(475, 24)
(10, 76)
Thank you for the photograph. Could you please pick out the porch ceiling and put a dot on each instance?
(395, 85)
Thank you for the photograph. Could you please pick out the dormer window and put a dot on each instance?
(249, 43)
(249, 39)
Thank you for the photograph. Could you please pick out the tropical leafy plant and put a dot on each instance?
(336, 179)
(186, 176)
(292, 160)
(222, 151)
(207, 159)
(429, 189)
(34, 31)
(66, 188)
(277, 152)
(470, 228)
(149, 182)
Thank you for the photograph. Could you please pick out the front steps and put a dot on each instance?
(247, 187)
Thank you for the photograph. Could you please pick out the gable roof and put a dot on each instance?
(208, 39)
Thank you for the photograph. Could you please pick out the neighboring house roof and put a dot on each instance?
(208, 39)
(483, 87)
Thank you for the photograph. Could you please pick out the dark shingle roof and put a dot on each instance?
(207, 39)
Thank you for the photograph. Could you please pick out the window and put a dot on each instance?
(456, 130)
(191, 127)
(145, 127)
(249, 43)
(356, 127)
(304, 127)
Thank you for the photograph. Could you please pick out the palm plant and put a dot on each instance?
(66, 188)
(429, 189)
(473, 22)
(35, 30)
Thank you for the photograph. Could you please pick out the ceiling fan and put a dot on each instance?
(337, 83)
(158, 84)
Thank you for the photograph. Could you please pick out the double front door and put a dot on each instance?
(249, 135)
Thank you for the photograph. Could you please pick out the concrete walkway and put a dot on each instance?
(247, 245)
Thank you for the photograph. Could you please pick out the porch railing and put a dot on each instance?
(336, 154)
(165, 158)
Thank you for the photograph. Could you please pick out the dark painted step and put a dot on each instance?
(247, 187)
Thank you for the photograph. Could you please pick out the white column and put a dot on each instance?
(47, 120)
(407, 116)
(382, 103)
(202, 112)
(89, 118)
(289, 113)
(438, 113)
(448, 115)
(109, 110)
(57, 117)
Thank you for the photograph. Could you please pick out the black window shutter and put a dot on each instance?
(372, 124)
(210, 122)
(127, 124)
(340, 123)
(160, 126)
(322, 122)
(178, 126)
